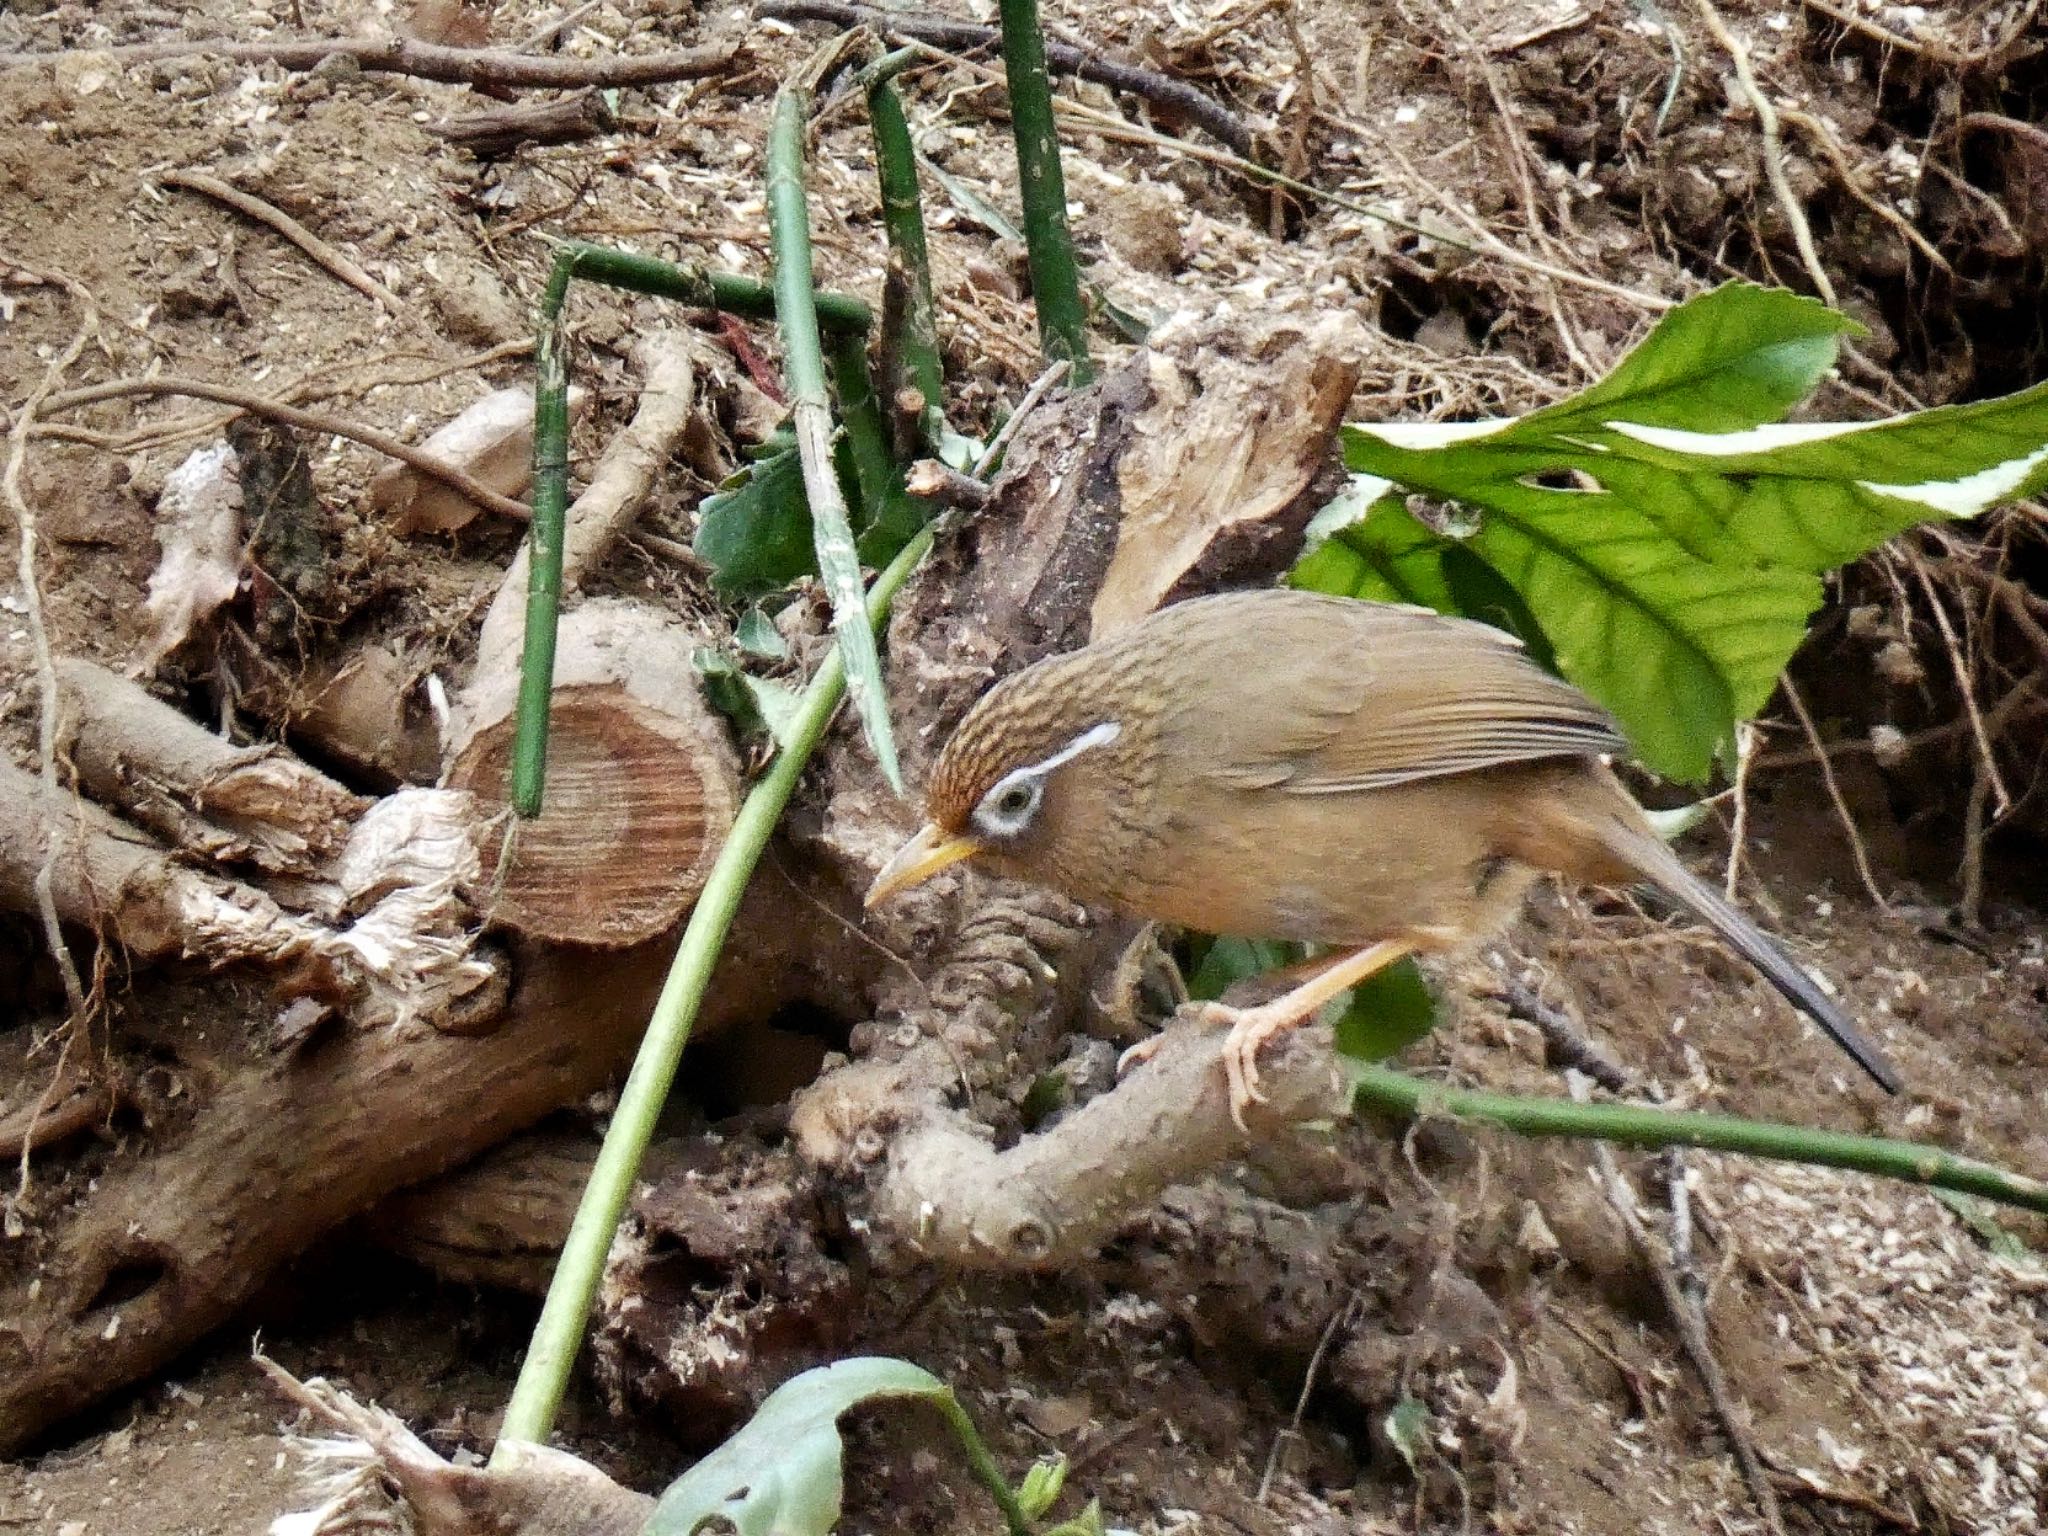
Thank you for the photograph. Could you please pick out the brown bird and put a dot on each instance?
(1379, 779)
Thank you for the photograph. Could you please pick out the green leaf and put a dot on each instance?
(1659, 538)
(757, 635)
(755, 530)
(1999, 1239)
(1387, 555)
(1221, 962)
(1381, 1015)
(1815, 495)
(782, 1474)
(1733, 358)
(758, 705)
(1386, 1013)
(1677, 648)
(959, 451)
(1041, 1487)
(1407, 1427)
(1087, 1523)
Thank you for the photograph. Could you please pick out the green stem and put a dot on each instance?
(903, 224)
(803, 364)
(1397, 1093)
(556, 1337)
(1055, 279)
(839, 313)
(874, 472)
(702, 289)
(984, 1464)
(544, 545)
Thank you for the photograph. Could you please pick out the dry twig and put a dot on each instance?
(310, 421)
(1996, 56)
(1960, 664)
(1773, 149)
(1063, 58)
(1827, 774)
(263, 213)
(54, 803)
(1692, 1335)
(424, 61)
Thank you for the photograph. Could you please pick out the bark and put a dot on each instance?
(502, 130)
(170, 1246)
(251, 805)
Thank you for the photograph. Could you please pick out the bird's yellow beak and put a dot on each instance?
(919, 859)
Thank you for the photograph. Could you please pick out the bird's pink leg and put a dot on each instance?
(1251, 1028)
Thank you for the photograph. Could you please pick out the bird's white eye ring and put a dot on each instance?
(1008, 808)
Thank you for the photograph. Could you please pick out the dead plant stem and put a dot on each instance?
(1773, 149)
(310, 421)
(56, 807)
(263, 213)
(423, 61)
(1693, 1338)
(1959, 663)
(1835, 798)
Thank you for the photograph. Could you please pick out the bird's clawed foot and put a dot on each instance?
(1250, 1028)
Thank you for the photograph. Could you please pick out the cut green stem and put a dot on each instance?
(1396, 1093)
(1049, 243)
(860, 414)
(810, 409)
(557, 1336)
(724, 292)
(545, 535)
(841, 314)
(903, 224)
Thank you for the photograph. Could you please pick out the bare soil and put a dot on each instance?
(1232, 1362)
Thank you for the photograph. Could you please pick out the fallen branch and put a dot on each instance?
(1197, 105)
(424, 61)
(274, 218)
(221, 802)
(172, 1245)
(500, 131)
(1053, 1199)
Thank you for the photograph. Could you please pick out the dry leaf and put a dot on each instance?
(199, 528)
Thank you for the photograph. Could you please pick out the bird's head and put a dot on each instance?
(1029, 771)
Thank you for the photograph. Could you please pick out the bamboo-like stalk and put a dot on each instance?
(1055, 279)
(1396, 1093)
(846, 317)
(699, 288)
(803, 364)
(903, 224)
(866, 440)
(545, 535)
(544, 1375)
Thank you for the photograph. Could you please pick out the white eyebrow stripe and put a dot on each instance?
(1095, 736)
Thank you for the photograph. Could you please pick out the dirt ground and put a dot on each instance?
(1233, 1362)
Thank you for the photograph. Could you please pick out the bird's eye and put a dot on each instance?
(1008, 808)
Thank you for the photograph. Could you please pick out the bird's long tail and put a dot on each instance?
(1621, 831)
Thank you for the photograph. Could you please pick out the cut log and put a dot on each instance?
(247, 805)
(642, 781)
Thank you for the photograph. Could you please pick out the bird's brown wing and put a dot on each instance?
(1357, 696)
